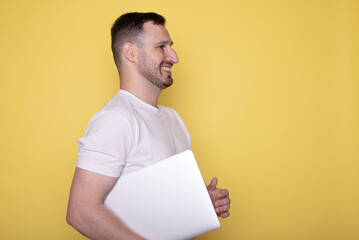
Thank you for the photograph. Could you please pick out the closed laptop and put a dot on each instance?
(167, 200)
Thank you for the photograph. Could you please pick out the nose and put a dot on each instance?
(172, 56)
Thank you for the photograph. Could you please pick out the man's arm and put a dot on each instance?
(220, 198)
(86, 212)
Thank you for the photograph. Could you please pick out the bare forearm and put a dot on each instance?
(100, 223)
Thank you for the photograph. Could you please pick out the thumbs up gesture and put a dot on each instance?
(220, 198)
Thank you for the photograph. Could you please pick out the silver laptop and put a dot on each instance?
(167, 200)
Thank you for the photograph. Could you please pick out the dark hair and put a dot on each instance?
(128, 27)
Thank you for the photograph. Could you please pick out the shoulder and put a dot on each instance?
(118, 109)
(115, 118)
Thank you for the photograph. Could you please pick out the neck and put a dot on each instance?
(141, 88)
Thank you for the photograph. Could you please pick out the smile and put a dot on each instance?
(166, 69)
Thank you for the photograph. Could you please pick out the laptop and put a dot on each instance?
(167, 200)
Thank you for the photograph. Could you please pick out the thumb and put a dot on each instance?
(213, 184)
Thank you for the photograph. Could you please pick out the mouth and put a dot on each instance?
(166, 69)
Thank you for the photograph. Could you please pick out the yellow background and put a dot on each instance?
(269, 91)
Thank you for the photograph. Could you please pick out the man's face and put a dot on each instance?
(156, 56)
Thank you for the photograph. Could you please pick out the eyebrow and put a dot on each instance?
(164, 42)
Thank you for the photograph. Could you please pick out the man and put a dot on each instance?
(131, 131)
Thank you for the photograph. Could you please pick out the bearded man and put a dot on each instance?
(131, 131)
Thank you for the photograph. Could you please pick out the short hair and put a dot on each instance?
(128, 27)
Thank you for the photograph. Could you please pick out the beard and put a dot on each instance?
(149, 70)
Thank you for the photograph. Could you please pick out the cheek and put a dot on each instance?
(158, 56)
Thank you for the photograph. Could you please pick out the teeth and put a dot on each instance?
(166, 69)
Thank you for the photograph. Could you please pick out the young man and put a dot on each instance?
(131, 131)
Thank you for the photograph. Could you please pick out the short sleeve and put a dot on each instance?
(106, 144)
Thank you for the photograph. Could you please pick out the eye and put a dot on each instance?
(162, 47)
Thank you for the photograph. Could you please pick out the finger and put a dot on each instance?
(223, 193)
(222, 202)
(223, 209)
(224, 215)
(213, 184)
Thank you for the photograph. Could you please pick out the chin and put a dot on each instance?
(168, 83)
(164, 86)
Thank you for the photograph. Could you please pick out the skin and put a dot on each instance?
(220, 198)
(145, 70)
(86, 212)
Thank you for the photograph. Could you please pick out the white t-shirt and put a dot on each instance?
(128, 134)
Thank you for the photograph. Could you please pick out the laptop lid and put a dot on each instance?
(167, 200)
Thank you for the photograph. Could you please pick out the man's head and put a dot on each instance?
(142, 45)
(129, 28)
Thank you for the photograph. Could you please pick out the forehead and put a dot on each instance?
(156, 33)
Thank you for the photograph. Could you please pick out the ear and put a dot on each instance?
(128, 50)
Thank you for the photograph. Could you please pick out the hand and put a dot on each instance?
(220, 198)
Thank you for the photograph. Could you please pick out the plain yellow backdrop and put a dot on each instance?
(269, 91)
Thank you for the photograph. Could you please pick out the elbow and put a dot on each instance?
(73, 217)
(70, 218)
